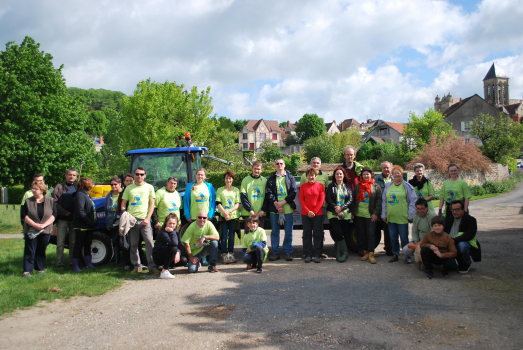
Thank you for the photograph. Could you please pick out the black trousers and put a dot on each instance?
(381, 226)
(165, 257)
(84, 239)
(312, 231)
(430, 259)
(254, 258)
(34, 253)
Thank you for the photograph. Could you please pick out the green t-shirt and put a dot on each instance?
(200, 200)
(340, 200)
(138, 198)
(455, 190)
(115, 202)
(254, 189)
(194, 233)
(321, 178)
(255, 236)
(427, 190)
(281, 192)
(228, 199)
(167, 202)
(363, 207)
(397, 208)
(29, 194)
(387, 180)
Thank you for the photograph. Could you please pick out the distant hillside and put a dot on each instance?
(100, 98)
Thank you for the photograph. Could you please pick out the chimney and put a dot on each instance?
(334, 122)
(101, 140)
(288, 123)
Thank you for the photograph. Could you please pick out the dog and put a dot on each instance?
(417, 258)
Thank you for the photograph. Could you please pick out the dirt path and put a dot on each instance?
(293, 305)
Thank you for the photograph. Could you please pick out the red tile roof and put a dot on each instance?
(398, 126)
(272, 125)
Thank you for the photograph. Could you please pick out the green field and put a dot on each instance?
(17, 292)
(10, 218)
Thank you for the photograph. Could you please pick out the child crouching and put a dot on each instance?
(254, 245)
(437, 248)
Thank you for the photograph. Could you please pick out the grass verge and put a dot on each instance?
(17, 292)
(10, 218)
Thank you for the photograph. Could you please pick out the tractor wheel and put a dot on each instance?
(101, 249)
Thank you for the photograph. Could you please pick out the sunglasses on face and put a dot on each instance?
(136, 174)
(202, 217)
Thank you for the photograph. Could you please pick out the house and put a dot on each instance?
(255, 132)
(332, 128)
(347, 123)
(384, 131)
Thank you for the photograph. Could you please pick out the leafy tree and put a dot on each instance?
(293, 162)
(97, 99)
(226, 123)
(282, 124)
(323, 147)
(293, 139)
(420, 128)
(367, 151)
(239, 124)
(42, 125)
(223, 143)
(113, 160)
(501, 138)
(270, 152)
(96, 123)
(351, 136)
(311, 126)
(158, 115)
(445, 149)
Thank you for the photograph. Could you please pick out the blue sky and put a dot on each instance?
(281, 59)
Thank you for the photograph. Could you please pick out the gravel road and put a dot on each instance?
(292, 305)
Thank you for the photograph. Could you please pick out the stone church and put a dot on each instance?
(461, 112)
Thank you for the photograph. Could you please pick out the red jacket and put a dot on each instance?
(312, 197)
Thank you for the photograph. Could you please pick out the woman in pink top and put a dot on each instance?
(312, 196)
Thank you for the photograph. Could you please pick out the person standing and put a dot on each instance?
(29, 193)
(454, 189)
(84, 222)
(126, 255)
(322, 178)
(382, 179)
(63, 196)
(423, 187)
(366, 210)
(398, 209)
(339, 199)
(199, 195)
(140, 197)
(38, 213)
(281, 191)
(228, 202)
(312, 197)
(253, 195)
(111, 215)
(168, 201)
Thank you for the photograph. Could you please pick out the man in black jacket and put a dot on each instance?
(462, 228)
(63, 196)
(281, 191)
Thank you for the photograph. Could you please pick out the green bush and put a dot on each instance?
(492, 187)
(512, 165)
(218, 181)
(15, 194)
(477, 190)
(371, 163)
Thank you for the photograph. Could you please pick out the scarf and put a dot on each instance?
(415, 182)
(364, 187)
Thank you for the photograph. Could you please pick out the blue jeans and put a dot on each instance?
(463, 254)
(211, 250)
(275, 234)
(227, 227)
(401, 230)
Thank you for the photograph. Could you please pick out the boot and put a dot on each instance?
(225, 258)
(341, 251)
(88, 261)
(372, 259)
(74, 262)
(116, 251)
(204, 261)
(365, 256)
(231, 258)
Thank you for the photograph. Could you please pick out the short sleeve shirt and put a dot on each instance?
(194, 233)
(397, 207)
(281, 192)
(228, 199)
(167, 202)
(254, 189)
(200, 200)
(138, 198)
(455, 190)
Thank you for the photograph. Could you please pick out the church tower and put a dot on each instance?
(495, 85)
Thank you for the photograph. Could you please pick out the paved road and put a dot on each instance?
(511, 199)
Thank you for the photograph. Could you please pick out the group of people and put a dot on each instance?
(352, 199)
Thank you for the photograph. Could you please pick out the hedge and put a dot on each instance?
(217, 180)
(15, 194)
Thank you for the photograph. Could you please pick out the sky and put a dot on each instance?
(279, 60)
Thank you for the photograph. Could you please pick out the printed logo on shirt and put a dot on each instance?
(341, 201)
(392, 199)
(136, 201)
(450, 196)
(229, 204)
(115, 206)
(366, 198)
(281, 191)
(201, 198)
(173, 206)
(257, 194)
(419, 194)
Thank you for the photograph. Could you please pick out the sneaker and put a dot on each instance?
(430, 274)
(324, 256)
(317, 260)
(288, 257)
(166, 275)
(137, 270)
(212, 268)
(394, 258)
(27, 275)
(274, 257)
(308, 259)
(464, 269)
(41, 272)
(225, 258)
(259, 270)
(156, 271)
(444, 273)
(407, 260)
(231, 258)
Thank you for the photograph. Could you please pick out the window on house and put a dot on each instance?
(274, 136)
(245, 136)
(245, 146)
(262, 136)
(384, 132)
(466, 126)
